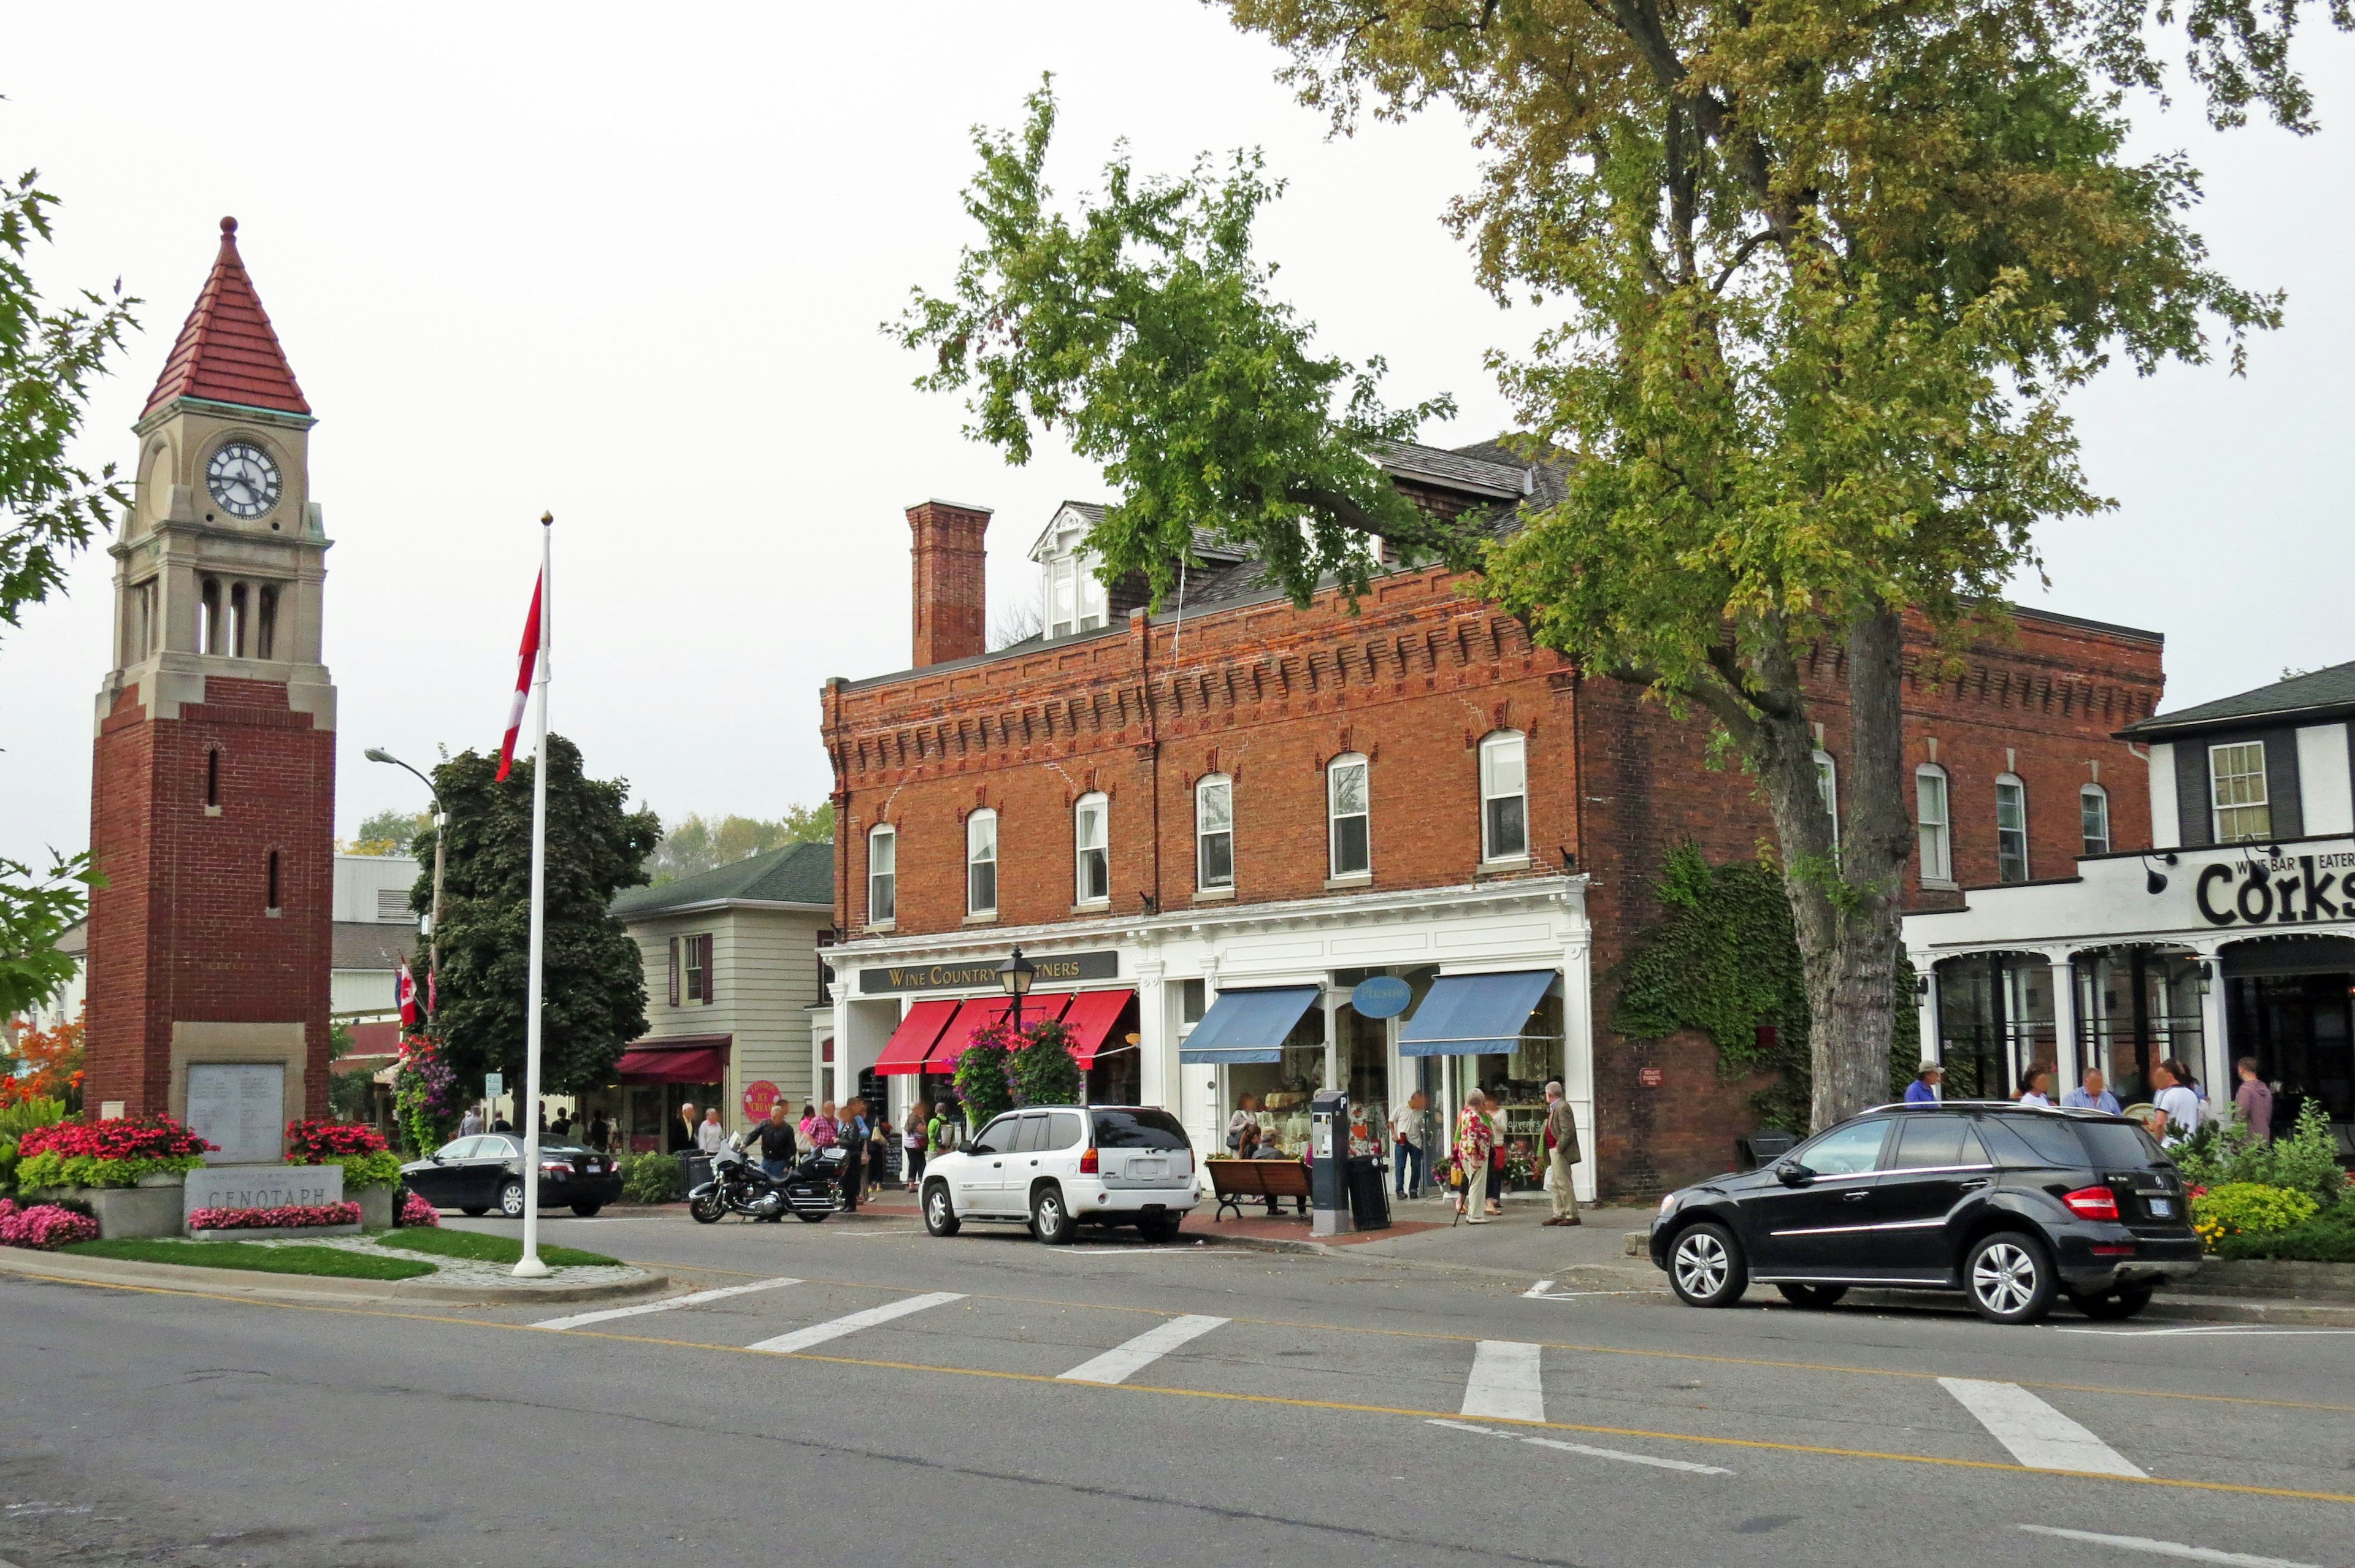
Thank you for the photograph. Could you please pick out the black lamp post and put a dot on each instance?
(1014, 977)
(433, 928)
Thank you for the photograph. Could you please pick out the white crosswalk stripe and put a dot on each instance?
(2033, 1432)
(1687, 1465)
(1123, 1362)
(2165, 1547)
(676, 1302)
(835, 1329)
(1504, 1382)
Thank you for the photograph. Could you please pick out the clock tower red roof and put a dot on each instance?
(228, 352)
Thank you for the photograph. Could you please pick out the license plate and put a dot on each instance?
(2162, 1207)
(1143, 1168)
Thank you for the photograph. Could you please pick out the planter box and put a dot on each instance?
(125, 1212)
(375, 1207)
(273, 1233)
(2279, 1278)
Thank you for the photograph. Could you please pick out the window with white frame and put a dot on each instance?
(1075, 595)
(2236, 778)
(1933, 825)
(1827, 791)
(2094, 813)
(1091, 843)
(2010, 829)
(882, 875)
(1503, 796)
(1344, 800)
(1214, 833)
(981, 863)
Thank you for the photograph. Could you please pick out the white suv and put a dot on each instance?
(1056, 1168)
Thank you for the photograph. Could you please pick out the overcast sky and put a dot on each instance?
(627, 264)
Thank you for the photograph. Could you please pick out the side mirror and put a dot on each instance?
(1791, 1173)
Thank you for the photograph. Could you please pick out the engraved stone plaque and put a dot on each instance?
(240, 1105)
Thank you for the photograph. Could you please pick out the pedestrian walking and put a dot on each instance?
(1408, 1131)
(1496, 1160)
(1923, 1090)
(942, 1130)
(2038, 1090)
(2177, 1103)
(682, 1132)
(1562, 1153)
(1475, 1138)
(777, 1143)
(471, 1123)
(879, 1151)
(2091, 1094)
(850, 1134)
(562, 1125)
(601, 1135)
(2255, 1100)
(710, 1137)
(914, 1141)
(1242, 1127)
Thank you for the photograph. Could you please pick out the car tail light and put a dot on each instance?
(556, 1167)
(2099, 1251)
(2093, 1203)
(1088, 1162)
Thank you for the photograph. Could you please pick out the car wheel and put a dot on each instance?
(586, 1210)
(939, 1214)
(475, 1213)
(2117, 1305)
(511, 1200)
(1706, 1267)
(2008, 1277)
(1049, 1220)
(707, 1209)
(1163, 1229)
(1812, 1294)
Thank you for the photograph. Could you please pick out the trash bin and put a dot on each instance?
(695, 1169)
(1370, 1198)
(1755, 1151)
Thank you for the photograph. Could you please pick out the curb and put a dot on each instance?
(308, 1287)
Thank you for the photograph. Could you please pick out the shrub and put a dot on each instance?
(359, 1148)
(2249, 1209)
(106, 1153)
(981, 1075)
(414, 1211)
(285, 1216)
(44, 1227)
(2328, 1238)
(651, 1178)
(2304, 1159)
(1041, 1067)
(15, 1121)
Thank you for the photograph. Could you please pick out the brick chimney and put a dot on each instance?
(950, 609)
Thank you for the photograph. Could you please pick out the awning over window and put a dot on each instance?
(1091, 1019)
(1474, 1015)
(683, 1059)
(970, 1016)
(1247, 1026)
(913, 1040)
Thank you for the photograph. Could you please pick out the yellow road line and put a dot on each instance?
(1285, 1401)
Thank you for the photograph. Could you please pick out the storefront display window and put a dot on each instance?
(1282, 1088)
(1994, 1022)
(2136, 1006)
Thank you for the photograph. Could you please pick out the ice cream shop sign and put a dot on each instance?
(2276, 890)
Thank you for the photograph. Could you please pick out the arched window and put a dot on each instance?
(883, 874)
(2010, 829)
(1348, 817)
(1827, 791)
(981, 863)
(2094, 813)
(240, 618)
(209, 617)
(1933, 826)
(1503, 796)
(265, 625)
(1214, 833)
(275, 905)
(1091, 847)
(212, 778)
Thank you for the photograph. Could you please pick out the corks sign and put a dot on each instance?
(1065, 969)
(2286, 889)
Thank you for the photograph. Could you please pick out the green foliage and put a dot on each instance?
(35, 912)
(341, 1262)
(1723, 959)
(2328, 1238)
(381, 1168)
(15, 1121)
(389, 832)
(696, 843)
(2304, 1159)
(652, 1178)
(2249, 1209)
(48, 1169)
(488, 1249)
(980, 1078)
(349, 1094)
(594, 973)
(1145, 332)
(1042, 1068)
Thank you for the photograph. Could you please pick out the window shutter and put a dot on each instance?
(2195, 799)
(710, 978)
(674, 971)
(2282, 784)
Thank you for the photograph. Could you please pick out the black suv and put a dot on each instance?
(2011, 1205)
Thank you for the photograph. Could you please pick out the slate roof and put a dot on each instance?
(797, 874)
(2322, 693)
(228, 352)
(370, 944)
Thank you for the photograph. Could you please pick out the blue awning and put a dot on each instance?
(1247, 1026)
(1474, 1015)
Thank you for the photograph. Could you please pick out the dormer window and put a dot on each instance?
(1075, 600)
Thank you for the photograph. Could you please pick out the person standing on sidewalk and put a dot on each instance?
(711, 1138)
(914, 1139)
(1408, 1128)
(776, 1139)
(2178, 1103)
(1562, 1154)
(2255, 1100)
(1475, 1139)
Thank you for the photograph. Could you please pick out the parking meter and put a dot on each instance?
(1328, 1164)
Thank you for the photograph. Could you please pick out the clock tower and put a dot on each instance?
(212, 799)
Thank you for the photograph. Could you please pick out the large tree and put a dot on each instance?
(594, 979)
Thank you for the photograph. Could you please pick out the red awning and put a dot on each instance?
(976, 1014)
(1089, 1019)
(700, 1059)
(913, 1041)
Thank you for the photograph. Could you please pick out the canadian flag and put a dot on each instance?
(523, 684)
(404, 991)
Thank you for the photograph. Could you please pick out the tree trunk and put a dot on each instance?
(1844, 900)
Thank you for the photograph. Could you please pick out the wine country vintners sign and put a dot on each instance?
(1063, 969)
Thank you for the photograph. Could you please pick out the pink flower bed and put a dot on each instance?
(415, 1210)
(287, 1217)
(44, 1227)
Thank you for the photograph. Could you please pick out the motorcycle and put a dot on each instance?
(813, 1187)
(737, 1187)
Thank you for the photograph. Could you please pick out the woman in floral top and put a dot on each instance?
(1476, 1135)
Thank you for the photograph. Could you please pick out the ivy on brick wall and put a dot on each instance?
(1724, 960)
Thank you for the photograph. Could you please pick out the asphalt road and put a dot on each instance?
(906, 1400)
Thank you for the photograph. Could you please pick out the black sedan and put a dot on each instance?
(2011, 1205)
(476, 1175)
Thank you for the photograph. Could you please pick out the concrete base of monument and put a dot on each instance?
(375, 1207)
(280, 1233)
(137, 1213)
(68, 1269)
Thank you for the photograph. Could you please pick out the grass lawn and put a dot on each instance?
(483, 1248)
(341, 1262)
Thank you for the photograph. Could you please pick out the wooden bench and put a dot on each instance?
(1236, 1179)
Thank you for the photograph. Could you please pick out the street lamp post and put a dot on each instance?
(434, 920)
(1014, 977)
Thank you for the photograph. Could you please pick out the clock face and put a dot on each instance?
(243, 480)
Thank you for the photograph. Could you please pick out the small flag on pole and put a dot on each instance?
(404, 990)
(530, 658)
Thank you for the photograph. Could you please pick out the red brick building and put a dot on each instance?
(1236, 798)
(212, 798)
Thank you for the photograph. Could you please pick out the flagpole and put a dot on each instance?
(528, 1265)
